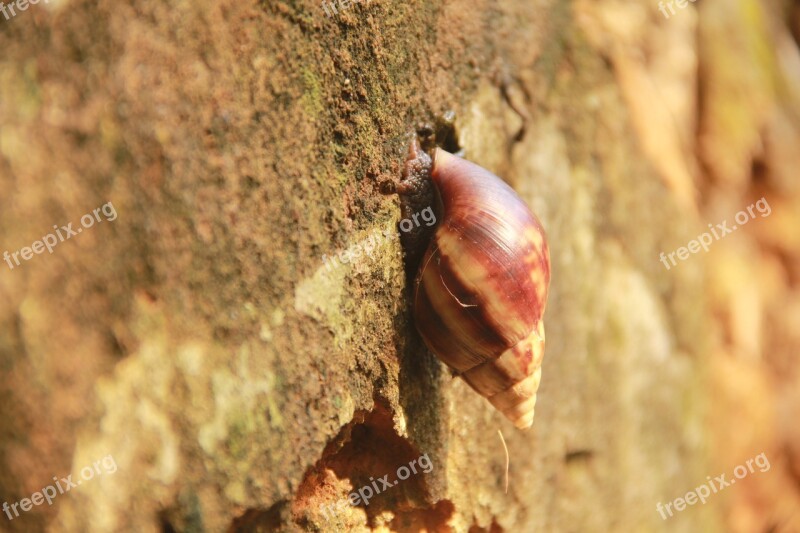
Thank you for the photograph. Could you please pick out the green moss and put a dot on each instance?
(193, 520)
(240, 433)
(312, 93)
(275, 417)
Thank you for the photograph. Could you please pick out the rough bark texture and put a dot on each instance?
(239, 383)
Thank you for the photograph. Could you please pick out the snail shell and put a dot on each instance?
(481, 287)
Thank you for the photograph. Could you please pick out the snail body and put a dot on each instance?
(481, 285)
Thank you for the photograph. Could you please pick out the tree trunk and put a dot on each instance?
(245, 373)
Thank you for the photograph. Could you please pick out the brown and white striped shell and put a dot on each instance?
(481, 288)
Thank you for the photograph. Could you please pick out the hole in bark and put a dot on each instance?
(759, 171)
(434, 519)
(363, 460)
(578, 455)
(166, 526)
(494, 527)
(262, 520)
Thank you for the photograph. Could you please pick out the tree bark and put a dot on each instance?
(243, 381)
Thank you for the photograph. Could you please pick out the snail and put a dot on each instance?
(480, 276)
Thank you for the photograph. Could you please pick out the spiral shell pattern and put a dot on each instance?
(481, 289)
